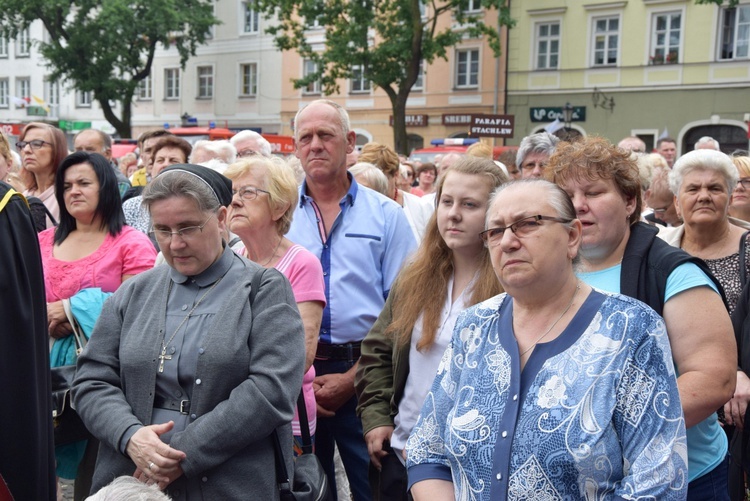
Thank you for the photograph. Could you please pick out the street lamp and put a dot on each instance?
(567, 112)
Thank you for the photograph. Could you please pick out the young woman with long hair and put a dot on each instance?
(450, 271)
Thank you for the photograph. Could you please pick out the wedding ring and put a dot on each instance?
(150, 464)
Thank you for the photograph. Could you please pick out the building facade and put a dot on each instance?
(646, 68)
(233, 80)
(448, 91)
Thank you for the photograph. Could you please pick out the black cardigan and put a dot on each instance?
(647, 263)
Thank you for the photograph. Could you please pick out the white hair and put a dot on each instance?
(371, 176)
(223, 148)
(703, 160)
(127, 488)
(706, 140)
(263, 144)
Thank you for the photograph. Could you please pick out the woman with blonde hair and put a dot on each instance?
(42, 148)
(400, 355)
(264, 197)
(740, 205)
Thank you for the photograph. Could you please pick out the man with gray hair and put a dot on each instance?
(248, 143)
(534, 152)
(707, 143)
(361, 238)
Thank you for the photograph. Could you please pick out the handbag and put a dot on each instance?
(67, 423)
(309, 482)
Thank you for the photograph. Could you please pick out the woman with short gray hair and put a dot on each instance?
(180, 380)
(703, 182)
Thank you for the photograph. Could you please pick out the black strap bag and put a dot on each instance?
(309, 482)
(68, 425)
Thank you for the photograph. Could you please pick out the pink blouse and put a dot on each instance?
(129, 253)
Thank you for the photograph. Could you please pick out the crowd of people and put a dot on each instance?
(569, 320)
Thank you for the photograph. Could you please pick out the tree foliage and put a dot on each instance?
(388, 38)
(107, 46)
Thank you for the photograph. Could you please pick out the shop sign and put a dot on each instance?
(492, 125)
(456, 119)
(413, 120)
(550, 114)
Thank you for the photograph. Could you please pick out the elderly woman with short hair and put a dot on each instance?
(265, 195)
(703, 182)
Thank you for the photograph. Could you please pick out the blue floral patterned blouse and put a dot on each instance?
(595, 413)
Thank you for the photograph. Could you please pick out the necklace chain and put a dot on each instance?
(273, 254)
(164, 345)
(539, 339)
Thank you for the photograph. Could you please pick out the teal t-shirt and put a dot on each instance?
(707, 443)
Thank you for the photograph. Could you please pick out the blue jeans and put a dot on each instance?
(345, 429)
(714, 485)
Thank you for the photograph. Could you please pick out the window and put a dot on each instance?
(606, 40)
(205, 82)
(249, 79)
(83, 99)
(52, 93)
(467, 68)
(23, 43)
(4, 92)
(23, 89)
(665, 38)
(359, 82)
(472, 6)
(172, 83)
(251, 17)
(547, 45)
(309, 67)
(145, 91)
(419, 84)
(735, 33)
(3, 47)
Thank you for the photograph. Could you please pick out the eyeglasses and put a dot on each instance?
(185, 234)
(521, 228)
(246, 153)
(248, 193)
(533, 165)
(665, 209)
(35, 144)
(745, 182)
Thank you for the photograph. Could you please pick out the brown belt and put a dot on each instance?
(348, 351)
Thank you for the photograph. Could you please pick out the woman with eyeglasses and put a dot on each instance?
(194, 364)
(401, 353)
(85, 258)
(740, 206)
(620, 254)
(42, 148)
(552, 390)
(265, 194)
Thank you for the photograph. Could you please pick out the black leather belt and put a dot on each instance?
(181, 406)
(348, 351)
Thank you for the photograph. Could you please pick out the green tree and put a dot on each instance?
(388, 38)
(106, 47)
